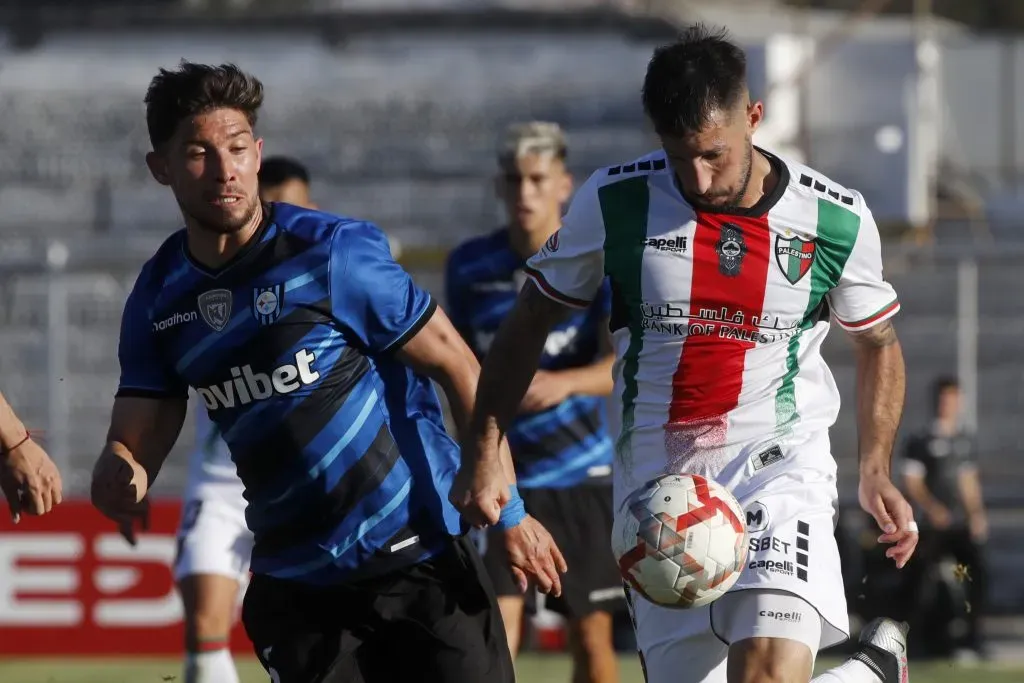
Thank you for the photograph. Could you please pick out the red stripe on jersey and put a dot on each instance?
(709, 377)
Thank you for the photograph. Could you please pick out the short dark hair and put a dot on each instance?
(194, 89)
(942, 384)
(688, 80)
(278, 170)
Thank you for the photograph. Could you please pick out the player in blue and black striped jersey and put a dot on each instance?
(311, 349)
(560, 444)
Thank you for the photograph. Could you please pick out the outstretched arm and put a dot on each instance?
(438, 351)
(881, 386)
(510, 366)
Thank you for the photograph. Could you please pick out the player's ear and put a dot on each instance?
(259, 153)
(755, 115)
(158, 168)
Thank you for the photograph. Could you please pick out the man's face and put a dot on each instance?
(949, 403)
(713, 165)
(292, 191)
(211, 165)
(533, 189)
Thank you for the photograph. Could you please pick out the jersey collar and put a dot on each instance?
(240, 255)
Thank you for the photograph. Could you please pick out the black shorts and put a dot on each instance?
(436, 621)
(580, 520)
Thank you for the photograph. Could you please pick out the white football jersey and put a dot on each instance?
(211, 472)
(718, 316)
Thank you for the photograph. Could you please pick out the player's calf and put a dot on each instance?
(209, 605)
(769, 660)
(593, 652)
(773, 636)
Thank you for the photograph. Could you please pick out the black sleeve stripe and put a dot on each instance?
(134, 392)
(414, 328)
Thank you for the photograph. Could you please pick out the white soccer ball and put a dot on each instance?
(680, 540)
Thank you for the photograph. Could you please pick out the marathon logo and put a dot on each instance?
(176, 319)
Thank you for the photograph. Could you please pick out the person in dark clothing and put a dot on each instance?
(940, 473)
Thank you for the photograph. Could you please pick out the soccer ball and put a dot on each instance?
(680, 540)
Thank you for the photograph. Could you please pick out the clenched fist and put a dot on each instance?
(119, 487)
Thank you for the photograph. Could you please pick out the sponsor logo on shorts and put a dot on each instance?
(784, 567)
(767, 457)
(791, 617)
(757, 517)
(769, 543)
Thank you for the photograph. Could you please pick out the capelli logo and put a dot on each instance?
(790, 617)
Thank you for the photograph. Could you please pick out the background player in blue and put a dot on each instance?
(560, 445)
(311, 349)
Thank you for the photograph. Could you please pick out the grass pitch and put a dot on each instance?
(531, 668)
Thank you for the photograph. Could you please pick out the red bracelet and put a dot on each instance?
(5, 451)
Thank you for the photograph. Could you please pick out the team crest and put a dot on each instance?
(215, 307)
(267, 303)
(731, 249)
(794, 256)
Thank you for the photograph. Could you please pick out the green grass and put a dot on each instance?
(531, 668)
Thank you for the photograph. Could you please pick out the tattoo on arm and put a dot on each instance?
(881, 387)
(883, 334)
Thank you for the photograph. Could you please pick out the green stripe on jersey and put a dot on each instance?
(836, 235)
(624, 208)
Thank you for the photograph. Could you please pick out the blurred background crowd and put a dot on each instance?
(395, 106)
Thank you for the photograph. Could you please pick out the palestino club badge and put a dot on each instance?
(794, 256)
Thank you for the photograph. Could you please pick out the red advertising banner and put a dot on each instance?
(71, 585)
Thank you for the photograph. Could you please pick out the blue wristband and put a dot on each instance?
(514, 511)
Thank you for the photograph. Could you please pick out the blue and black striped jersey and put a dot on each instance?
(567, 444)
(341, 448)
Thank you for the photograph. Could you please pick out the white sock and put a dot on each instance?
(850, 671)
(215, 666)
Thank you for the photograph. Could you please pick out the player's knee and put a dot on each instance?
(208, 623)
(592, 635)
(208, 603)
(769, 660)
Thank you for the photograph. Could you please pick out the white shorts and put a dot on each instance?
(213, 539)
(700, 655)
(793, 568)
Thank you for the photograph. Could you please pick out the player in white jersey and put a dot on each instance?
(212, 563)
(727, 266)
